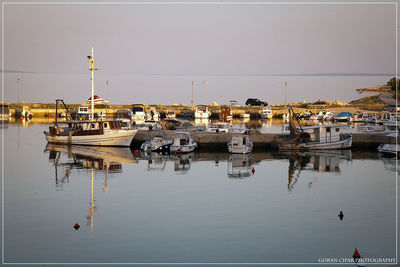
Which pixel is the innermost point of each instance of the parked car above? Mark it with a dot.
(317, 105)
(255, 102)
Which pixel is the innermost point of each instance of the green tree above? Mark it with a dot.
(392, 84)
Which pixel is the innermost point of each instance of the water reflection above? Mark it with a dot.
(105, 159)
(239, 165)
(182, 162)
(315, 162)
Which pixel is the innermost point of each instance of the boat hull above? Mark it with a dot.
(389, 149)
(121, 138)
(245, 149)
(183, 148)
(340, 144)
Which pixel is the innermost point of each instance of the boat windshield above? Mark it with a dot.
(137, 109)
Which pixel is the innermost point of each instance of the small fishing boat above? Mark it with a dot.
(5, 112)
(158, 144)
(149, 126)
(138, 112)
(89, 132)
(342, 117)
(226, 113)
(391, 148)
(202, 112)
(220, 127)
(170, 114)
(95, 133)
(183, 143)
(266, 113)
(318, 137)
(240, 144)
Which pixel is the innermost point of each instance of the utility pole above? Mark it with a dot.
(192, 91)
(19, 87)
(285, 91)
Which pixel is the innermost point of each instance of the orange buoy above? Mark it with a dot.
(76, 226)
(356, 255)
(253, 170)
(136, 152)
(358, 152)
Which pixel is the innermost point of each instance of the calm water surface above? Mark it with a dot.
(200, 207)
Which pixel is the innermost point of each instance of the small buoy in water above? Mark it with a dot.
(76, 226)
(136, 152)
(341, 215)
(253, 170)
(356, 255)
(358, 152)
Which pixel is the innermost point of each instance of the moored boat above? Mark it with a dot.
(266, 113)
(240, 144)
(202, 112)
(183, 143)
(157, 144)
(318, 137)
(94, 133)
(89, 132)
(220, 127)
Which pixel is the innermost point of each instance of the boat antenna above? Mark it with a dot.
(92, 70)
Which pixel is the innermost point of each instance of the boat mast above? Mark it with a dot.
(92, 69)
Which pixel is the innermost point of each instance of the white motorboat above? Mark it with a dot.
(153, 114)
(240, 144)
(157, 144)
(183, 143)
(390, 148)
(220, 127)
(149, 126)
(202, 112)
(266, 113)
(138, 112)
(170, 114)
(91, 132)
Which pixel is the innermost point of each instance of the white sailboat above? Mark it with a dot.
(90, 132)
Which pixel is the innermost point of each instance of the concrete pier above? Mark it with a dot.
(218, 141)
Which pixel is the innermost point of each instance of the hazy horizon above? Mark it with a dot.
(152, 53)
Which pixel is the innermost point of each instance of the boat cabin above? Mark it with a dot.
(182, 139)
(78, 128)
(138, 112)
(322, 133)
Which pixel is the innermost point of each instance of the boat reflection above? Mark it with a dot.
(182, 162)
(239, 165)
(155, 161)
(316, 161)
(390, 163)
(105, 159)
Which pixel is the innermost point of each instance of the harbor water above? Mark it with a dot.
(202, 207)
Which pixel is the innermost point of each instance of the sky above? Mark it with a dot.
(151, 53)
